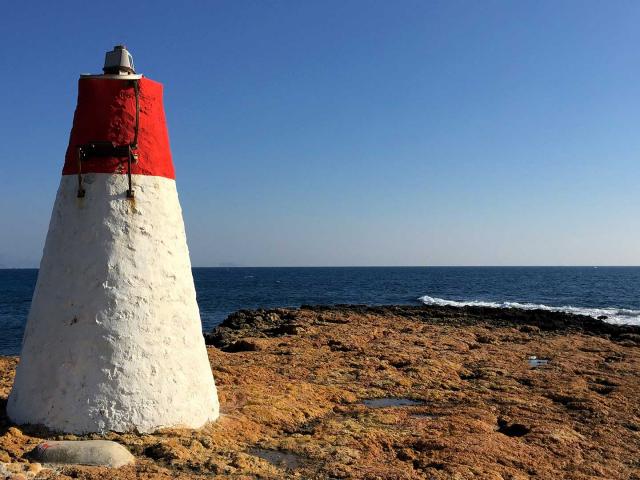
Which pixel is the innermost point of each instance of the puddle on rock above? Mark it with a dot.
(287, 460)
(537, 362)
(391, 402)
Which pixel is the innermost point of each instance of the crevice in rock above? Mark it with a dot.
(512, 429)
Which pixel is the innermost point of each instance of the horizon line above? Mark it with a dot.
(382, 266)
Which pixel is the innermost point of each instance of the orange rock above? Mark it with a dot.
(479, 409)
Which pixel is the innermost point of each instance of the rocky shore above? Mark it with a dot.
(396, 392)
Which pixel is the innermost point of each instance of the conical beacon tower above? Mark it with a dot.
(113, 339)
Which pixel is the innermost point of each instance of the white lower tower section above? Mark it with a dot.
(113, 339)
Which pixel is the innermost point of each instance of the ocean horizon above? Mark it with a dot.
(609, 293)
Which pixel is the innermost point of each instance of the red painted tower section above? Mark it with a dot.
(106, 111)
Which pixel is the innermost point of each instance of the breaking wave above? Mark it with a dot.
(614, 315)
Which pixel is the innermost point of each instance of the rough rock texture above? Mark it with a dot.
(113, 339)
(294, 387)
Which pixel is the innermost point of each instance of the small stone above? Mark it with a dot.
(15, 432)
(85, 452)
(4, 457)
(34, 468)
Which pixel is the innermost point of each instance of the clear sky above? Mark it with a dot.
(352, 132)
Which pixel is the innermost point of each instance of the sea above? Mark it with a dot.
(612, 292)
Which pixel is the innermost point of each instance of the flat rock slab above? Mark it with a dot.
(83, 452)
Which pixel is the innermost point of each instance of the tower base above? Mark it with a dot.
(113, 339)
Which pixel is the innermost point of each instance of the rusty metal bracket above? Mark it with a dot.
(130, 193)
(81, 191)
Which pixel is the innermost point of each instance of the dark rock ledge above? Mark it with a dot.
(268, 323)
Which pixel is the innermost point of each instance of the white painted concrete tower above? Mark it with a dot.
(113, 338)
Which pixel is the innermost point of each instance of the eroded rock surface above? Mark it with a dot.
(293, 384)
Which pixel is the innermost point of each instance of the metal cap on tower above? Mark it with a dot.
(118, 61)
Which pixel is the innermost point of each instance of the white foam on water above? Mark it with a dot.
(614, 315)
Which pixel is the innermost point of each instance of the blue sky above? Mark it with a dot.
(352, 132)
